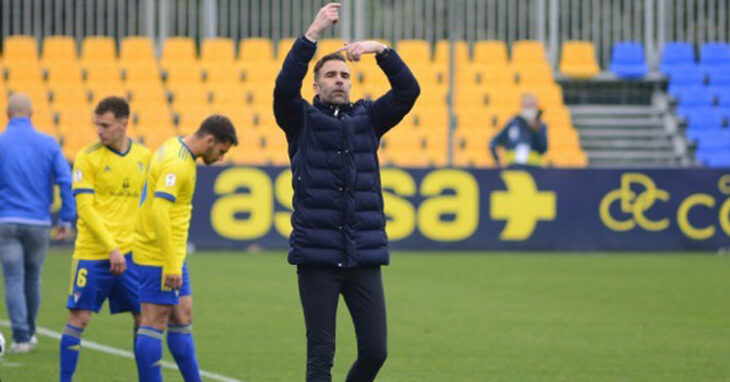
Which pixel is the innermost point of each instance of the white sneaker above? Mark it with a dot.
(20, 348)
(33, 342)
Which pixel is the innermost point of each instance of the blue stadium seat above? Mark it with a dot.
(724, 98)
(720, 76)
(684, 76)
(703, 118)
(676, 54)
(714, 158)
(627, 60)
(693, 98)
(714, 55)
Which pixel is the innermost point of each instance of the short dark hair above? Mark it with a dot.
(332, 56)
(220, 127)
(117, 105)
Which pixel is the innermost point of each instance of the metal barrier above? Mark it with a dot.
(551, 21)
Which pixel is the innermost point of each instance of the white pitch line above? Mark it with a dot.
(121, 353)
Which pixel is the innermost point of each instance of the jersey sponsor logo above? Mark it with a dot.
(170, 179)
(78, 175)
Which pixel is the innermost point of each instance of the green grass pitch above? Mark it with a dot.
(452, 317)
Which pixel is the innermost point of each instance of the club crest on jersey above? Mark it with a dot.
(141, 166)
(78, 175)
(77, 296)
(170, 179)
(107, 168)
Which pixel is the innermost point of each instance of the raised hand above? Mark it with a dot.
(327, 15)
(354, 50)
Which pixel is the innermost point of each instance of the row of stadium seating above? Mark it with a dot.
(173, 94)
(702, 92)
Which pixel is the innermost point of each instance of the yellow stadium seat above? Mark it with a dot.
(20, 48)
(414, 51)
(153, 119)
(182, 73)
(578, 59)
(326, 46)
(490, 53)
(152, 95)
(217, 49)
(461, 51)
(530, 75)
(64, 72)
(191, 118)
(261, 96)
(98, 48)
(136, 49)
(98, 91)
(528, 53)
(69, 94)
(153, 136)
(227, 95)
(43, 122)
(59, 48)
(253, 73)
(223, 73)
(141, 72)
(21, 73)
(178, 49)
(282, 48)
(190, 96)
(428, 73)
(100, 72)
(256, 50)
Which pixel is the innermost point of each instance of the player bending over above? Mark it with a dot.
(160, 246)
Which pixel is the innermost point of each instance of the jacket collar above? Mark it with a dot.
(20, 122)
(332, 110)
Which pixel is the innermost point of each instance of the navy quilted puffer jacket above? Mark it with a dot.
(338, 217)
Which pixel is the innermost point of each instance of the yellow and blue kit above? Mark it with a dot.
(162, 227)
(108, 186)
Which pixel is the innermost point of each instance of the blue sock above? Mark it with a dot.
(181, 345)
(70, 349)
(148, 352)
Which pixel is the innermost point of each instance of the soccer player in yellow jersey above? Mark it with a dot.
(107, 181)
(161, 242)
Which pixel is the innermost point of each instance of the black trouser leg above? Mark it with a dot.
(319, 291)
(364, 296)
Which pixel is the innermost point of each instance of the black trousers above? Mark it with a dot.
(362, 288)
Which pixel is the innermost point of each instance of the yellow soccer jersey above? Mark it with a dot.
(171, 176)
(107, 216)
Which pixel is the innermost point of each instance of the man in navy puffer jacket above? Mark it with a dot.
(338, 240)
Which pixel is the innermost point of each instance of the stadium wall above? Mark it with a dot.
(468, 209)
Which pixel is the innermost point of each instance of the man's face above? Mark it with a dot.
(214, 150)
(110, 129)
(529, 102)
(333, 84)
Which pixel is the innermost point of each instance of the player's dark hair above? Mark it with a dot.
(117, 105)
(220, 127)
(332, 56)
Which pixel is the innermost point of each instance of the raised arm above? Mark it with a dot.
(288, 102)
(389, 109)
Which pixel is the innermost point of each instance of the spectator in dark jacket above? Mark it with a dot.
(524, 138)
(338, 240)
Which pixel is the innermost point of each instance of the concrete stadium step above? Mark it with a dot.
(626, 145)
(633, 159)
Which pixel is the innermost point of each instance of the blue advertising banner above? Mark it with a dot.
(468, 209)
